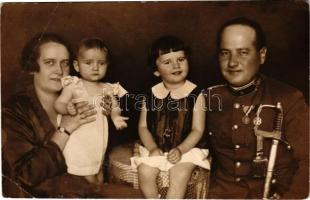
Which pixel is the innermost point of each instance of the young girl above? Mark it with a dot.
(171, 122)
(84, 152)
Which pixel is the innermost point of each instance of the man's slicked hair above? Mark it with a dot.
(260, 37)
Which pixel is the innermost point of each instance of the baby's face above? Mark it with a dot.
(172, 68)
(92, 64)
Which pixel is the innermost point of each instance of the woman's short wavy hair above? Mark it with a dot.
(31, 51)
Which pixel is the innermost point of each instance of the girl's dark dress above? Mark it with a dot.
(169, 119)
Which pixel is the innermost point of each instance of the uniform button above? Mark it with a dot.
(273, 181)
(235, 127)
(238, 164)
(210, 133)
(238, 179)
(237, 146)
(236, 105)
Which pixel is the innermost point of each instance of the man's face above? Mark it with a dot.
(238, 57)
(54, 64)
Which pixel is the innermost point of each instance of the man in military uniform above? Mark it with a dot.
(235, 115)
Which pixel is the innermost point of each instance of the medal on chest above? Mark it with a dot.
(247, 109)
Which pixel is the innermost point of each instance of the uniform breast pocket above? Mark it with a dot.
(218, 138)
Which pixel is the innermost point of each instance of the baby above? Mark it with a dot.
(85, 149)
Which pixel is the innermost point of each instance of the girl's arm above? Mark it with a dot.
(62, 104)
(145, 135)
(198, 126)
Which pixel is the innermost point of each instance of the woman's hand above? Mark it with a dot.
(156, 152)
(85, 114)
(71, 108)
(174, 155)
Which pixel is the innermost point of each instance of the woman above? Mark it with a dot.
(33, 135)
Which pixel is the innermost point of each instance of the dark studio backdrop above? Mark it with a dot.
(130, 27)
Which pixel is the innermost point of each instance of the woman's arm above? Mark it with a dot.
(198, 126)
(85, 114)
(32, 151)
(30, 158)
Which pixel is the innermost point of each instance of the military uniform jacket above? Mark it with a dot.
(32, 164)
(233, 144)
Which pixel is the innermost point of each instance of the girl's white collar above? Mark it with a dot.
(161, 92)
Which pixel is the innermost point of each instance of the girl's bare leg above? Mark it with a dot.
(179, 175)
(147, 181)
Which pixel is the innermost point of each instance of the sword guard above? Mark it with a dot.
(268, 134)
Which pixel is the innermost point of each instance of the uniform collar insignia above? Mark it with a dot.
(246, 89)
(161, 92)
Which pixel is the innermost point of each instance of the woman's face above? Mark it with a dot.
(172, 68)
(53, 65)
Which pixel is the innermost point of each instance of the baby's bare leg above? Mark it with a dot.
(92, 178)
(179, 175)
(100, 177)
(147, 181)
(96, 178)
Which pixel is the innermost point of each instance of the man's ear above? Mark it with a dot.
(76, 65)
(156, 73)
(262, 55)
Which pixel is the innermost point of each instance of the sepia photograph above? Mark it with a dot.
(155, 99)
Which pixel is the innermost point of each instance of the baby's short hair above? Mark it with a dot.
(93, 43)
(164, 45)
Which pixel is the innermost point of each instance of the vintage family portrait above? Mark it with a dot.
(168, 99)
